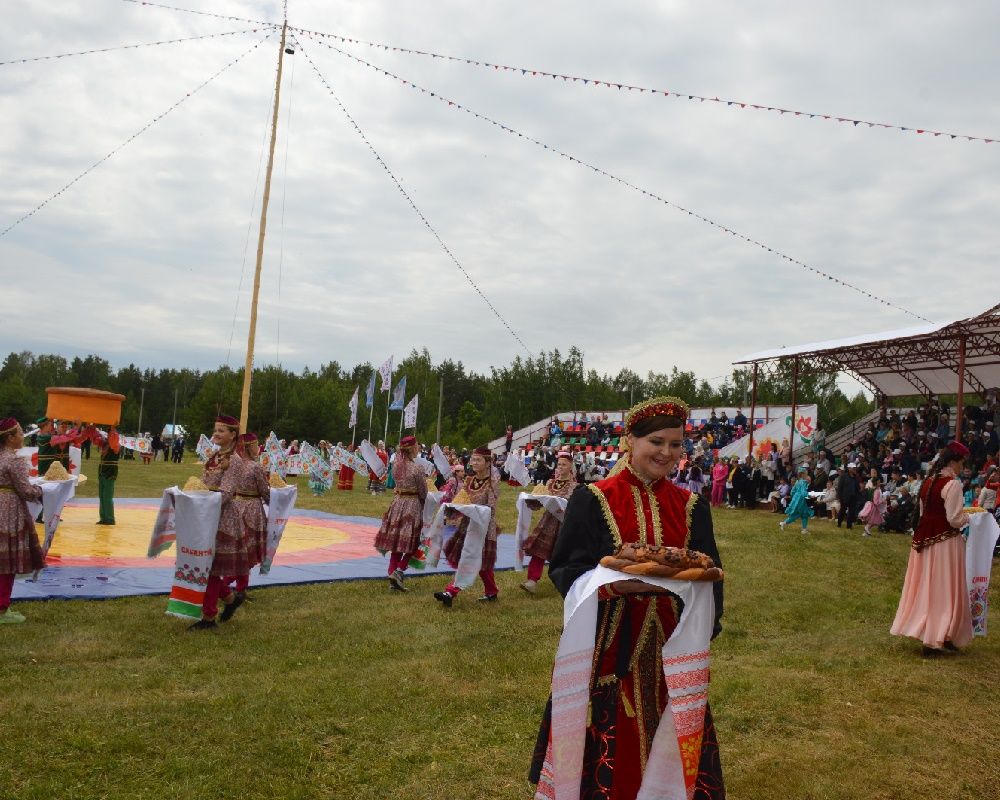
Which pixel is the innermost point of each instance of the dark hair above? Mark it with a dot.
(6, 436)
(660, 422)
(946, 457)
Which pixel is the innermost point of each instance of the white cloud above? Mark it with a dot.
(159, 232)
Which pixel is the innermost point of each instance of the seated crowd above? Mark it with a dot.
(885, 465)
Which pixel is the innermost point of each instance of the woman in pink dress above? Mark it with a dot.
(934, 606)
(399, 534)
(19, 548)
(720, 473)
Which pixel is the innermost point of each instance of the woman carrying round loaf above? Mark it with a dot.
(244, 489)
(399, 535)
(542, 540)
(637, 504)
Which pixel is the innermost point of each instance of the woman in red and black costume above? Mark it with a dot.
(934, 606)
(628, 693)
(402, 523)
(483, 488)
(242, 523)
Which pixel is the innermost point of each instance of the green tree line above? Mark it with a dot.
(475, 407)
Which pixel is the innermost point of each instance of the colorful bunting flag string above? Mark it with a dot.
(719, 226)
(599, 82)
(203, 13)
(132, 138)
(409, 200)
(126, 47)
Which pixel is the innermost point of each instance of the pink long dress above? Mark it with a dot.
(720, 472)
(934, 606)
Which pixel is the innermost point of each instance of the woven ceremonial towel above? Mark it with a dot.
(191, 519)
(278, 512)
(55, 495)
(556, 506)
(983, 533)
(672, 767)
(441, 461)
(471, 559)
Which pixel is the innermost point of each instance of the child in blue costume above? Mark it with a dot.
(798, 508)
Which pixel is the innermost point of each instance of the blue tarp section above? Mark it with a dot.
(101, 583)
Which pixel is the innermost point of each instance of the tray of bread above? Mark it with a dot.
(974, 510)
(275, 481)
(678, 563)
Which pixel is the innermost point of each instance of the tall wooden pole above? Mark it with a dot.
(440, 405)
(252, 335)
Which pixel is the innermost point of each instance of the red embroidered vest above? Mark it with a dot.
(657, 514)
(933, 526)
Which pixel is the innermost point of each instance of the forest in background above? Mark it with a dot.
(313, 404)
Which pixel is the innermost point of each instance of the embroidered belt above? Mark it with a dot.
(405, 494)
(7, 489)
(246, 494)
(939, 537)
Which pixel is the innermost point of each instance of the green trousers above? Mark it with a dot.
(106, 495)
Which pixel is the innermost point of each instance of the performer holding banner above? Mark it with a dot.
(934, 606)
(483, 489)
(403, 522)
(345, 477)
(20, 550)
(542, 541)
(242, 525)
(628, 716)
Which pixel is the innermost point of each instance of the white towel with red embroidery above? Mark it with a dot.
(672, 768)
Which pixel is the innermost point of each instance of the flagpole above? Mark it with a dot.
(252, 334)
(401, 415)
(354, 432)
(388, 402)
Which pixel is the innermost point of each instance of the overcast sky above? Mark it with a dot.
(141, 260)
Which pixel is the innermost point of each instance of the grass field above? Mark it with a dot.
(346, 691)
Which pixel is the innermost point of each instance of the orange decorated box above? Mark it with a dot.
(84, 405)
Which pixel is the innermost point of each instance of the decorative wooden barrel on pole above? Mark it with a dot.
(84, 405)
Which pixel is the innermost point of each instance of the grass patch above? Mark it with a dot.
(343, 690)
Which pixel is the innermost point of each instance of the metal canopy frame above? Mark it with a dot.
(940, 358)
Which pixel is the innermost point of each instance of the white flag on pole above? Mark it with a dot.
(410, 413)
(385, 373)
(353, 406)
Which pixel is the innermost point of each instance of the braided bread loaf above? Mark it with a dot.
(663, 562)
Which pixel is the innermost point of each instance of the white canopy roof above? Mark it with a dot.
(920, 360)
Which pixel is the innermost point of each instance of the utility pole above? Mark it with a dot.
(173, 426)
(142, 402)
